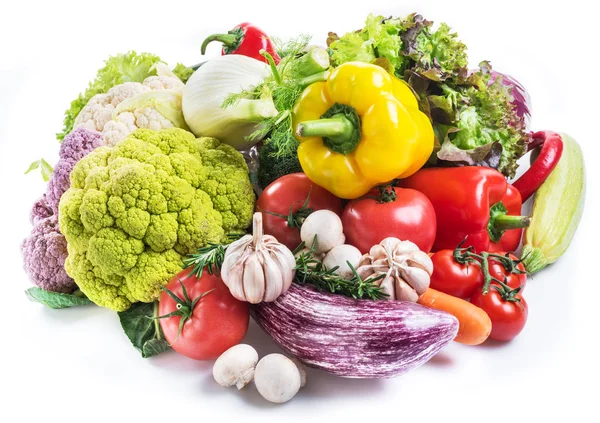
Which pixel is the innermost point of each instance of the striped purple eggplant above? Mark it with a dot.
(354, 338)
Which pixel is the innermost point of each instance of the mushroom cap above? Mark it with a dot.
(277, 378)
(235, 366)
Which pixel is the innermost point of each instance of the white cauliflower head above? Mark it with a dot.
(153, 104)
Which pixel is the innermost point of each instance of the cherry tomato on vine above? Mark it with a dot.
(213, 320)
(514, 280)
(454, 278)
(282, 203)
(508, 316)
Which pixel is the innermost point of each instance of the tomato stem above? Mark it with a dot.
(157, 329)
(184, 306)
(467, 256)
(295, 219)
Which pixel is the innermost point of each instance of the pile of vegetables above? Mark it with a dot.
(355, 199)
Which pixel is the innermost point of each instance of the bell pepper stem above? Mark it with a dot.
(228, 40)
(335, 127)
(500, 221)
(511, 222)
(339, 127)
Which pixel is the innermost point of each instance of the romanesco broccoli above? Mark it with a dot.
(134, 210)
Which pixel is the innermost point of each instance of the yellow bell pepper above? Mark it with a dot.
(360, 128)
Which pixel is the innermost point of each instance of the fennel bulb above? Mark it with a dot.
(211, 84)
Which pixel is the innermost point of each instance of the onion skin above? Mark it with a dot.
(355, 338)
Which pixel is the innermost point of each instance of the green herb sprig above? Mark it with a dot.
(210, 257)
(312, 271)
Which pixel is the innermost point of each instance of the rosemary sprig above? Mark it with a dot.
(210, 257)
(311, 271)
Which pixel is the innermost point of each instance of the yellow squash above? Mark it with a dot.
(360, 128)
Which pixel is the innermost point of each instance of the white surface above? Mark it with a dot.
(76, 365)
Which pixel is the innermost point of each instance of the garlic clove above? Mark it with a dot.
(405, 292)
(286, 262)
(273, 278)
(365, 271)
(421, 260)
(390, 243)
(233, 280)
(404, 247)
(387, 286)
(253, 279)
(377, 252)
(417, 278)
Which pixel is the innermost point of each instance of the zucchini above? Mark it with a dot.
(557, 210)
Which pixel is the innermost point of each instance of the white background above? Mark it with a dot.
(76, 365)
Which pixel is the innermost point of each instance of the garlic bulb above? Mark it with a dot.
(407, 269)
(257, 267)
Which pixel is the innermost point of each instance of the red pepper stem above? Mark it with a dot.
(228, 40)
(506, 221)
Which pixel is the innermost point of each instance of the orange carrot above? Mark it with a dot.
(474, 323)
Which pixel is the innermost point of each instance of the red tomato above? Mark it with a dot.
(514, 280)
(410, 216)
(508, 317)
(291, 191)
(217, 322)
(454, 278)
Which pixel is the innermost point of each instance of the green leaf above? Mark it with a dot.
(55, 300)
(46, 170)
(44, 166)
(183, 72)
(139, 325)
(154, 347)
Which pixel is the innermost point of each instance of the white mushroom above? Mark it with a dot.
(340, 256)
(277, 378)
(236, 366)
(326, 226)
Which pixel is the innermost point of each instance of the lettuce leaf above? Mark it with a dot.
(380, 38)
(183, 72)
(127, 67)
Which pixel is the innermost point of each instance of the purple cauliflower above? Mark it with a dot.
(44, 254)
(40, 210)
(73, 148)
(45, 249)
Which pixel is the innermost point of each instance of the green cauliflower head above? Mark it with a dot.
(136, 209)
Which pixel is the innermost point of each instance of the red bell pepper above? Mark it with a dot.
(474, 203)
(245, 39)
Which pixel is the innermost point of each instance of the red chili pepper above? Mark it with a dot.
(472, 202)
(534, 177)
(245, 39)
